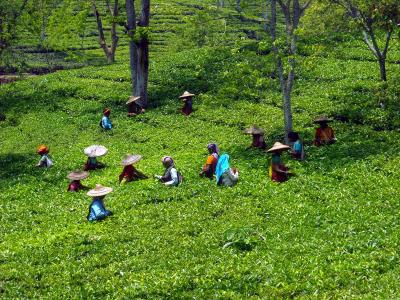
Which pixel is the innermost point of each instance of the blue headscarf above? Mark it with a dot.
(222, 166)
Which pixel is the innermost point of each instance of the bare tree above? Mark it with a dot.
(113, 11)
(292, 11)
(374, 17)
(139, 48)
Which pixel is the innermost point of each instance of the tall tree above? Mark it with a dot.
(373, 18)
(292, 11)
(10, 13)
(238, 6)
(67, 24)
(139, 48)
(113, 10)
(36, 18)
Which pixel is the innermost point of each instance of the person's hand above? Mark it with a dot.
(158, 176)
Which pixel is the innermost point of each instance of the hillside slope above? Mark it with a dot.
(330, 232)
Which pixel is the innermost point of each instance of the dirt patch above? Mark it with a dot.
(4, 79)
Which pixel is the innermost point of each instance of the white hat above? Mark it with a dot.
(95, 151)
(78, 175)
(133, 99)
(278, 147)
(130, 159)
(186, 94)
(99, 190)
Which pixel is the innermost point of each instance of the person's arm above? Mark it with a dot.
(276, 168)
(121, 176)
(333, 134)
(233, 174)
(139, 174)
(42, 161)
(317, 135)
(174, 176)
(206, 170)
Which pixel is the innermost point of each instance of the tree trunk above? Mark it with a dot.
(238, 7)
(131, 27)
(143, 56)
(102, 40)
(382, 68)
(142, 71)
(114, 37)
(265, 15)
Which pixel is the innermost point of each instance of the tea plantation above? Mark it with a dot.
(332, 231)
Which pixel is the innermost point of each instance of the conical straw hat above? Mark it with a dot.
(322, 119)
(254, 130)
(95, 151)
(133, 99)
(131, 159)
(78, 175)
(99, 190)
(186, 94)
(278, 147)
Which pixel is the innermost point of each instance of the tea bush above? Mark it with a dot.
(329, 232)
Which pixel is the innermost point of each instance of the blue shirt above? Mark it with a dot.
(106, 123)
(298, 147)
(97, 211)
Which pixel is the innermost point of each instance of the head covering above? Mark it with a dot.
(254, 130)
(95, 151)
(222, 166)
(278, 147)
(99, 190)
(132, 99)
(78, 175)
(167, 160)
(43, 149)
(186, 94)
(130, 159)
(213, 147)
(322, 119)
(106, 111)
(294, 136)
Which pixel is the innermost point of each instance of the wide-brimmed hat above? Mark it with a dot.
(278, 147)
(130, 159)
(186, 94)
(78, 175)
(42, 149)
(99, 190)
(254, 130)
(132, 99)
(95, 151)
(322, 119)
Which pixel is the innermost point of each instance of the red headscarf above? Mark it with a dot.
(42, 149)
(106, 111)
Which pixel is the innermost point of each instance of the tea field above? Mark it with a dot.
(332, 231)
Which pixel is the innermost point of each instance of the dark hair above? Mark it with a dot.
(294, 136)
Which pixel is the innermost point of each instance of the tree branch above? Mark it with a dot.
(305, 6)
(387, 42)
